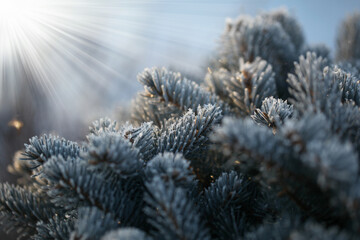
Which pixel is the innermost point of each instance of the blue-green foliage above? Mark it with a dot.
(320, 50)
(267, 148)
(72, 184)
(246, 88)
(348, 83)
(104, 125)
(302, 150)
(144, 138)
(56, 227)
(188, 135)
(232, 205)
(315, 87)
(275, 37)
(171, 166)
(290, 228)
(273, 112)
(348, 39)
(92, 223)
(168, 94)
(172, 213)
(21, 209)
(112, 151)
(126, 234)
(40, 149)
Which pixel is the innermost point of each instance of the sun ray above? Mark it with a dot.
(39, 36)
(81, 49)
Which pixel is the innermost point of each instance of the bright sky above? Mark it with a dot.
(183, 32)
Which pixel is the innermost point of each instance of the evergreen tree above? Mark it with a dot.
(267, 147)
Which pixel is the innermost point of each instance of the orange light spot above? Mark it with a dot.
(16, 124)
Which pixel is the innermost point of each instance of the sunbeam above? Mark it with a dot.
(72, 51)
(44, 43)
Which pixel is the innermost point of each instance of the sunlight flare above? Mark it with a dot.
(51, 45)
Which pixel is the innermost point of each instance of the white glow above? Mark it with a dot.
(21, 13)
(77, 51)
(51, 45)
(16, 8)
(8, 9)
(17, 18)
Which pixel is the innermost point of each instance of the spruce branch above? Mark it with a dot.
(299, 155)
(251, 85)
(215, 81)
(111, 151)
(233, 205)
(21, 209)
(321, 50)
(58, 227)
(288, 228)
(72, 184)
(188, 135)
(348, 39)
(349, 84)
(104, 125)
(143, 138)
(281, 229)
(307, 87)
(314, 88)
(172, 213)
(174, 167)
(246, 88)
(273, 112)
(153, 110)
(126, 234)
(170, 95)
(172, 88)
(92, 224)
(289, 24)
(41, 149)
(249, 38)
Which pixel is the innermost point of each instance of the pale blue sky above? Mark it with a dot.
(200, 23)
(184, 33)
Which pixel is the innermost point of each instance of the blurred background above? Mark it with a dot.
(66, 63)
